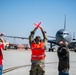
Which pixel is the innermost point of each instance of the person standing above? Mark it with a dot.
(2, 45)
(38, 47)
(63, 55)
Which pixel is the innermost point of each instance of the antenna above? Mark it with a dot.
(65, 23)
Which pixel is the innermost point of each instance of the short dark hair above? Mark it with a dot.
(37, 37)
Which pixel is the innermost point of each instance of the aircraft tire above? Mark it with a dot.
(51, 50)
(75, 50)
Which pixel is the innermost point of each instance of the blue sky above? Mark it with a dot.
(17, 17)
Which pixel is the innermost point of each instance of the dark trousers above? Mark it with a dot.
(63, 74)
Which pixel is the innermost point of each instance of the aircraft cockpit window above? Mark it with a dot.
(61, 33)
(66, 33)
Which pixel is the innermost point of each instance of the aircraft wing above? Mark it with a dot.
(51, 37)
(15, 37)
(52, 41)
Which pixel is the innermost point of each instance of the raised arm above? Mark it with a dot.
(44, 34)
(31, 37)
(3, 43)
(1, 40)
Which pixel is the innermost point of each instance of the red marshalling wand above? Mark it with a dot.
(37, 25)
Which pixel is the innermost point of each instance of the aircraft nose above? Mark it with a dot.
(64, 36)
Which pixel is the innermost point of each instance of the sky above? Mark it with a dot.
(17, 17)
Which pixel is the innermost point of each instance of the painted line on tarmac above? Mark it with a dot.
(17, 67)
(13, 68)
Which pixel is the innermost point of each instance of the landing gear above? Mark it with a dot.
(51, 49)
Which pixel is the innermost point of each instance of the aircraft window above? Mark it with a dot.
(66, 33)
(61, 33)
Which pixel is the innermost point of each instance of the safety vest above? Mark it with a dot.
(38, 51)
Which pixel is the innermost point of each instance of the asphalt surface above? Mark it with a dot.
(17, 62)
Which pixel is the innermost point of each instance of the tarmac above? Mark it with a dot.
(17, 62)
